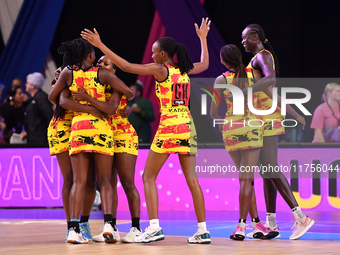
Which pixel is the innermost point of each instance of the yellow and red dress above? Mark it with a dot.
(176, 132)
(124, 135)
(240, 132)
(272, 122)
(58, 133)
(89, 133)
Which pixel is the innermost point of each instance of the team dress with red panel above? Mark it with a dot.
(89, 133)
(240, 132)
(272, 122)
(58, 133)
(176, 131)
(124, 135)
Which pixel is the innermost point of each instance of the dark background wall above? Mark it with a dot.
(123, 27)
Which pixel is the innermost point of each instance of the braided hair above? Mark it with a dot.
(74, 52)
(231, 55)
(256, 29)
(170, 46)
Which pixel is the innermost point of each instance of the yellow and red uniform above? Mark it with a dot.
(89, 133)
(124, 135)
(176, 132)
(237, 133)
(58, 133)
(264, 102)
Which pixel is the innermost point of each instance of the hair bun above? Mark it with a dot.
(65, 48)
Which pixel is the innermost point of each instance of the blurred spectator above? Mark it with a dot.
(2, 123)
(12, 112)
(18, 82)
(38, 112)
(141, 113)
(326, 117)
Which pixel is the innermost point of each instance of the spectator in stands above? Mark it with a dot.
(326, 117)
(18, 82)
(38, 112)
(12, 112)
(141, 113)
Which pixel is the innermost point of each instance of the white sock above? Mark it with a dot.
(271, 219)
(154, 223)
(202, 227)
(298, 214)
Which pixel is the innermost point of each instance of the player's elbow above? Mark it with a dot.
(62, 102)
(130, 94)
(271, 80)
(213, 114)
(206, 66)
(125, 68)
(51, 99)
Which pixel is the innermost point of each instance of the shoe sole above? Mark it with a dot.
(237, 237)
(304, 232)
(204, 241)
(109, 237)
(98, 241)
(158, 238)
(251, 235)
(75, 242)
(270, 235)
(122, 240)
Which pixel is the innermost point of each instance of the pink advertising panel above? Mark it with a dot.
(31, 178)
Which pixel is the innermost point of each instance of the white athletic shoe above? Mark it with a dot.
(203, 238)
(300, 228)
(131, 236)
(99, 238)
(150, 235)
(110, 235)
(76, 238)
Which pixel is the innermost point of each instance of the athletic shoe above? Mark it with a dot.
(76, 238)
(262, 232)
(68, 231)
(131, 236)
(239, 233)
(273, 228)
(85, 229)
(110, 235)
(99, 238)
(300, 228)
(251, 234)
(203, 238)
(150, 235)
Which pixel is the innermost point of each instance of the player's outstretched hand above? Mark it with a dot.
(91, 37)
(202, 31)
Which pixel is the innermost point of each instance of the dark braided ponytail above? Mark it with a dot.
(74, 52)
(170, 46)
(231, 55)
(256, 29)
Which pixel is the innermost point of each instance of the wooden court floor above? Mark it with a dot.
(48, 237)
